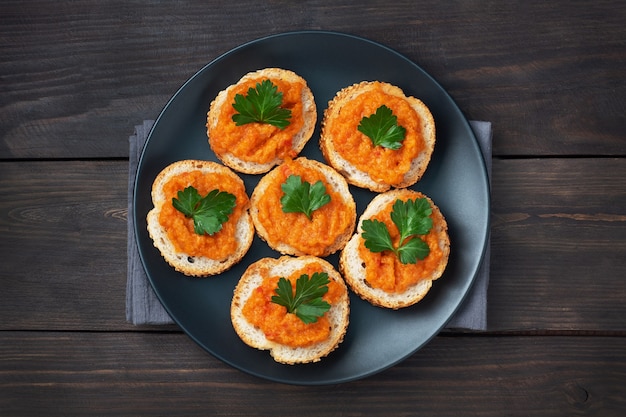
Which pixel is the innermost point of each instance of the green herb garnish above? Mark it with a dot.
(261, 104)
(209, 212)
(412, 219)
(306, 302)
(383, 129)
(302, 197)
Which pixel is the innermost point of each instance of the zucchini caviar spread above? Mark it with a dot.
(180, 229)
(385, 271)
(285, 328)
(382, 164)
(260, 142)
(310, 236)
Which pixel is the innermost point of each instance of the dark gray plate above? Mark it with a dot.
(456, 180)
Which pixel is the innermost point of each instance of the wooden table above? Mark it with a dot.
(76, 76)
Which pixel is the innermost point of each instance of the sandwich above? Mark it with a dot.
(303, 207)
(200, 222)
(401, 246)
(377, 137)
(267, 116)
(297, 308)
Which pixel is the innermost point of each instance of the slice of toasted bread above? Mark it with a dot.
(220, 112)
(354, 268)
(293, 233)
(338, 315)
(186, 263)
(360, 172)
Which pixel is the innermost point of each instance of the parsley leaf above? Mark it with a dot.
(412, 219)
(209, 212)
(306, 302)
(261, 104)
(383, 129)
(302, 197)
(376, 236)
(412, 250)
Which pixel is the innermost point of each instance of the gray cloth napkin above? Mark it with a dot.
(472, 314)
(143, 306)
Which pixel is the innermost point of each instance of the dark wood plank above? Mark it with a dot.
(76, 77)
(167, 374)
(63, 245)
(557, 256)
(558, 244)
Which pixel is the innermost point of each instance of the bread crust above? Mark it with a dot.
(299, 140)
(197, 266)
(353, 174)
(352, 266)
(284, 266)
(333, 179)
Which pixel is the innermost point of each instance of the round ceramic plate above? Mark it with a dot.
(456, 180)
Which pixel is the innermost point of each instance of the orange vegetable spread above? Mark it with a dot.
(259, 142)
(180, 229)
(385, 271)
(286, 328)
(382, 164)
(295, 229)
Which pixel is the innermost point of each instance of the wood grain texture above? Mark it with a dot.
(63, 244)
(558, 246)
(76, 76)
(166, 374)
(557, 256)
